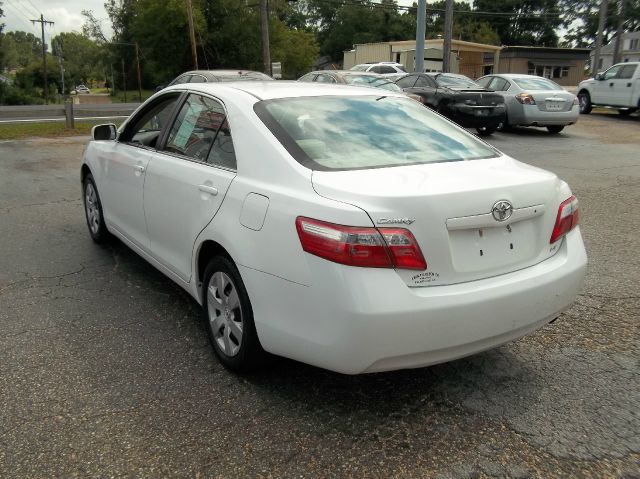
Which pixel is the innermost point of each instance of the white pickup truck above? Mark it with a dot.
(618, 88)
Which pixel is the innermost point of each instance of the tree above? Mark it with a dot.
(20, 49)
(80, 56)
(530, 22)
(582, 18)
(296, 49)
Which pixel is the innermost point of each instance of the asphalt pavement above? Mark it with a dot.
(106, 370)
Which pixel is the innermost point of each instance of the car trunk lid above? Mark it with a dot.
(553, 100)
(448, 208)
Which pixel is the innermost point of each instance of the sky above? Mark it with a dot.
(66, 14)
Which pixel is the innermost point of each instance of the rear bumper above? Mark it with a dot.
(471, 116)
(530, 115)
(355, 320)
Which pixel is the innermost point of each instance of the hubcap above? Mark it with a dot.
(225, 313)
(91, 208)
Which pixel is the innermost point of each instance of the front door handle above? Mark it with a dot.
(611, 84)
(140, 168)
(212, 190)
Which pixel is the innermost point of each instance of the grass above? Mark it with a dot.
(16, 131)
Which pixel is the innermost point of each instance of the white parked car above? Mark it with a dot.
(348, 228)
(381, 68)
(81, 89)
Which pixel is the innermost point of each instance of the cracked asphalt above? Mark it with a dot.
(106, 371)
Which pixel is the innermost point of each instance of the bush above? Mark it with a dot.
(11, 95)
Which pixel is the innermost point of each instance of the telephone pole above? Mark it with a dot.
(448, 33)
(192, 35)
(42, 21)
(264, 31)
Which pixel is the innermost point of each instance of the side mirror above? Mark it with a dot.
(599, 77)
(104, 132)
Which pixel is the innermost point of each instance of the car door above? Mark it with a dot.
(187, 180)
(124, 170)
(623, 86)
(603, 90)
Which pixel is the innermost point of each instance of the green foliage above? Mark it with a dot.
(582, 18)
(12, 95)
(19, 49)
(80, 57)
(533, 22)
(297, 50)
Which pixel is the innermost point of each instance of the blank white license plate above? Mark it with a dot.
(482, 112)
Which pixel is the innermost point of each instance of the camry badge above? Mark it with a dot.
(502, 210)
(395, 221)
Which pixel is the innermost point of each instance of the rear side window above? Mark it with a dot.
(627, 72)
(201, 132)
(347, 133)
(423, 82)
(308, 77)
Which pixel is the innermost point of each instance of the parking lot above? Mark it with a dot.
(106, 369)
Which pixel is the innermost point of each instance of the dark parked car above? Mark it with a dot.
(351, 77)
(458, 98)
(205, 76)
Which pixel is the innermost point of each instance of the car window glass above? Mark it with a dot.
(612, 72)
(307, 77)
(499, 84)
(422, 82)
(198, 79)
(484, 82)
(322, 78)
(376, 69)
(406, 82)
(222, 152)
(195, 128)
(536, 83)
(181, 79)
(626, 72)
(145, 128)
(386, 69)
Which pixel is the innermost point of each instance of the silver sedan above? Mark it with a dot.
(533, 101)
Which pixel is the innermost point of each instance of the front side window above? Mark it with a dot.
(346, 133)
(145, 128)
(484, 82)
(323, 78)
(627, 72)
(201, 132)
(307, 78)
(612, 72)
(180, 80)
(499, 84)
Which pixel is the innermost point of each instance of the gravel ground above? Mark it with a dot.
(105, 368)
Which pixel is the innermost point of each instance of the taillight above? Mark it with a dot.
(356, 246)
(567, 219)
(525, 98)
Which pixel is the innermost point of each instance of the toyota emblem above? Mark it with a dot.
(502, 210)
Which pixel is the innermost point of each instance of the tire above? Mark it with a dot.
(503, 125)
(93, 211)
(485, 130)
(555, 129)
(229, 317)
(584, 100)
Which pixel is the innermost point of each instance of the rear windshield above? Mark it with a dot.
(536, 84)
(460, 82)
(348, 133)
(377, 82)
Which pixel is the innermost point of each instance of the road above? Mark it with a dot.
(105, 368)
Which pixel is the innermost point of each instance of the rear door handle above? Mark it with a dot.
(611, 84)
(140, 168)
(212, 190)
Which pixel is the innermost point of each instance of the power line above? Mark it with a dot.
(26, 19)
(42, 23)
(33, 10)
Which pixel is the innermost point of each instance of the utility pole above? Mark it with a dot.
(264, 32)
(448, 33)
(61, 67)
(42, 21)
(619, 31)
(601, 22)
(138, 69)
(420, 34)
(124, 81)
(192, 34)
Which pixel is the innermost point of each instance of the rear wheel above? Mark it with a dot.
(584, 102)
(229, 316)
(555, 129)
(93, 210)
(503, 125)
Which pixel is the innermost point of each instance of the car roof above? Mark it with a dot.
(269, 90)
(352, 73)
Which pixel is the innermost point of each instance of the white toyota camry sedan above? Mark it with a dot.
(348, 228)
